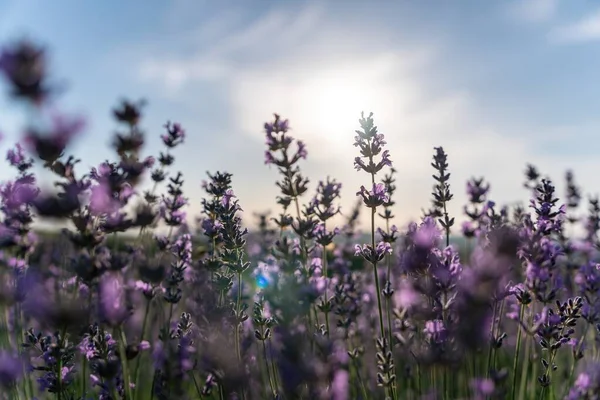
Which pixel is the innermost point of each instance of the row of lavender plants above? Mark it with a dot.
(303, 309)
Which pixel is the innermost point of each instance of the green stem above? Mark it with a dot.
(447, 228)
(388, 302)
(137, 363)
(536, 367)
(498, 325)
(360, 381)
(517, 351)
(531, 350)
(238, 326)
(198, 390)
(326, 284)
(168, 321)
(549, 372)
(419, 382)
(152, 386)
(124, 362)
(83, 377)
(266, 357)
(577, 350)
(376, 276)
(541, 396)
(275, 373)
(525, 370)
(389, 321)
(63, 334)
(115, 393)
(491, 347)
(18, 339)
(304, 260)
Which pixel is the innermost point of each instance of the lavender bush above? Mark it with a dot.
(301, 309)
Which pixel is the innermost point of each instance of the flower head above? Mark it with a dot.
(374, 198)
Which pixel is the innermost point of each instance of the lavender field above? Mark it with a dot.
(111, 289)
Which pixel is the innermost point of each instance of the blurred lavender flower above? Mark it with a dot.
(587, 384)
(113, 307)
(174, 136)
(50, 146)
(11, 369)
(24, 66)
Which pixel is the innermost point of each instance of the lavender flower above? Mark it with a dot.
(11, 369)
(374, 198)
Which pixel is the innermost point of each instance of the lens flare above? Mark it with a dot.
(262, 282)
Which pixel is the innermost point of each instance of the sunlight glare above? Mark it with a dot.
(334, 101)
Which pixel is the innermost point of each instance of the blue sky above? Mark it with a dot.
(497, 83)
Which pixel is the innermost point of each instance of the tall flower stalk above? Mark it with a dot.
(322, 206)
(389, 236)
(373, 159)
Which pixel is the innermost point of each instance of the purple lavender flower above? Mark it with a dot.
(50, 146)
(405, 295)
(102, 200)
(435, 331)
(428, 234)
(11, 368)
(482, 388)
(374, 198)
(17, 158)
(587, 383)
(322, 204)
(370, 143)
(477, 190)
(24, 66)
(373, 255)
(277, 126)
(113, 308)
(448, 271)
(174, 136)
(340, 385)
(128, 112)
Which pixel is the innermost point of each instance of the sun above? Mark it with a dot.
(333, 102)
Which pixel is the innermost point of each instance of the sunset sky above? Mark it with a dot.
(498, 84)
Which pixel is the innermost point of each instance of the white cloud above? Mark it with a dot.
(534, 10)
(586, 29)
(220, 55)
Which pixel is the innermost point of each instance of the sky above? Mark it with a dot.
(498, 84)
